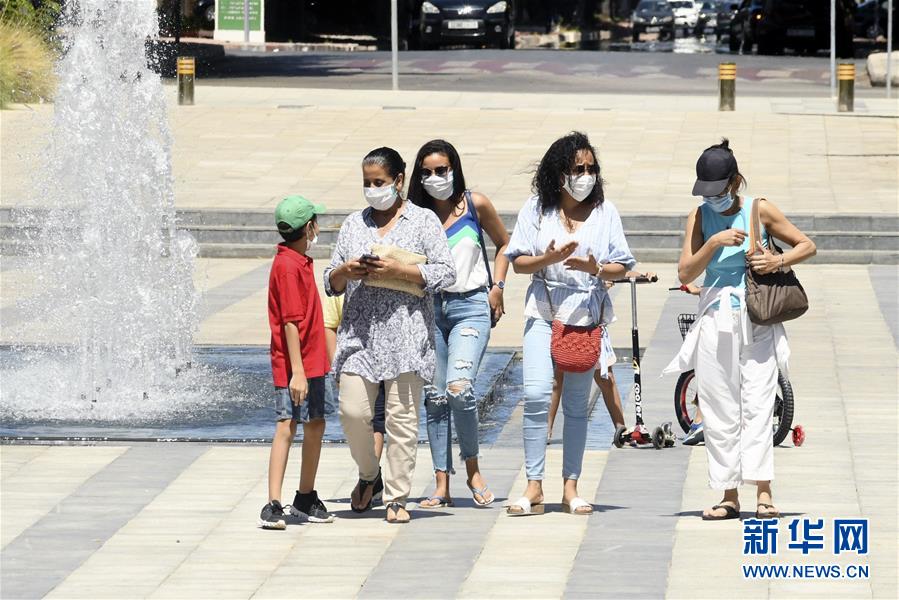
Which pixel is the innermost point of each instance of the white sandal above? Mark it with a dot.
(525, 508)
(573, 506)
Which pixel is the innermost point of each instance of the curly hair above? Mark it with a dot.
(417, 193)
(556, 164)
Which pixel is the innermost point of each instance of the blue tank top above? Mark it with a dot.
(728, 265)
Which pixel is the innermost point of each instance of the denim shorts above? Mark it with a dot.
(312, 408)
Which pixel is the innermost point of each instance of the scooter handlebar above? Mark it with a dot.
(640, 279)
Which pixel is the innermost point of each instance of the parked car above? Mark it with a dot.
(205, 11)
(726, 12)
(708, 14)
(870, 19)
(802, 25)
(653, 16)
(481, 22)
(743, 25)
(686, 13)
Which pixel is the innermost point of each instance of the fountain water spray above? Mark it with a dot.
(118, 308)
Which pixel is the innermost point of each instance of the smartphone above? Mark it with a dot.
(369, 257)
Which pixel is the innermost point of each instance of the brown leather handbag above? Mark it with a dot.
(774, 297)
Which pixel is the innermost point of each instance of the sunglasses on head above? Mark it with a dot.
(585, 168)
(439, 171)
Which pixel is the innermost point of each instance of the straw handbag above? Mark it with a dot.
(401, 256)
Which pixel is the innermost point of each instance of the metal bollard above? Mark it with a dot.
(727, 86)
(186, 75)
(846, 96)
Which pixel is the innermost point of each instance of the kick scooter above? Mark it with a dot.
(663, 436)
(686, 400)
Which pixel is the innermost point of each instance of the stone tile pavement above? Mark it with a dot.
(247, 147)
(123, 521)
(177, 520)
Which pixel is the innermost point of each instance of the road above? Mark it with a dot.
(547, 71)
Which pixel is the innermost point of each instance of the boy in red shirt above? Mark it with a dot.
(299, 362)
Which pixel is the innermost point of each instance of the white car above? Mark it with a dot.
(686, 12)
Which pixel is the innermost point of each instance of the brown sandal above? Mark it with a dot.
(774, 514)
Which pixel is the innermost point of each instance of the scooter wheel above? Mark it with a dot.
(670, 438)
(618, 440)
(798, 435)
(658, 438)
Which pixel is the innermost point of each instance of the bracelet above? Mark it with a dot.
(781, 262)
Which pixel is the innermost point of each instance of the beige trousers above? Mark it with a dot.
(401, 405)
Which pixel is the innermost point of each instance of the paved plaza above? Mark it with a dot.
(161, 520)
(177, 520)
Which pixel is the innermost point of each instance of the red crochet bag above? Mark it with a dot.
(574, 348)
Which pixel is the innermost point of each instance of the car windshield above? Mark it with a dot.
(655, 5)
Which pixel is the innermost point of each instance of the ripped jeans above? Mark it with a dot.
(462, 332)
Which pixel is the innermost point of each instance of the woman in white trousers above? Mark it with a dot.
(736, 361)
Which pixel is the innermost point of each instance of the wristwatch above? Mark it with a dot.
(599, 269)
(500, 284)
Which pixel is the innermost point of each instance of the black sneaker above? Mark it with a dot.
(272, 516)
(312, 507)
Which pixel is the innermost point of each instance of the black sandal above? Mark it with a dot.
(362, 486)
(378, 491)
(770, 515)
(729, 513)
(396, 507)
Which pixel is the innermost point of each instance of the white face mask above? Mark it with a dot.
(380, 198)
(580, 187)
(439, 187)
(311, 241)
(719, 203)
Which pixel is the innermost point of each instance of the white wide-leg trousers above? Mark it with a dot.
(737, 385)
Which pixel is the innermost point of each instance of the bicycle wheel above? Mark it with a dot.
(783, 409)
(686, 399)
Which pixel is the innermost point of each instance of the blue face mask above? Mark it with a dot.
(719, 203)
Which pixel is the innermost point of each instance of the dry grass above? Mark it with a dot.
(26, 65)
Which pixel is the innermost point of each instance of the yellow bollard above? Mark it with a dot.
(186, 75)
(727, 86)
(846, 96)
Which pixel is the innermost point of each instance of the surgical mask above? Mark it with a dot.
(580, 187)
(380, 198)
(439, 187)
(719, 203)
(311, 241)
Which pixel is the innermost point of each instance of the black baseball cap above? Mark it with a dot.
(714, 170)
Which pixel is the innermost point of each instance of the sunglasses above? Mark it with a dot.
(439, 171)
(585, 168)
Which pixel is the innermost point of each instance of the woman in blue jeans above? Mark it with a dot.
(569, 239)
(462, 313)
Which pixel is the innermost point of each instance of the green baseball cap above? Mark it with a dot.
(296, 211)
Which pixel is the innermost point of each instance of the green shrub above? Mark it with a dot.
(26, 65)
(39, 15)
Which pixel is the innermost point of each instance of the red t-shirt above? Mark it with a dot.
(293, 297)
